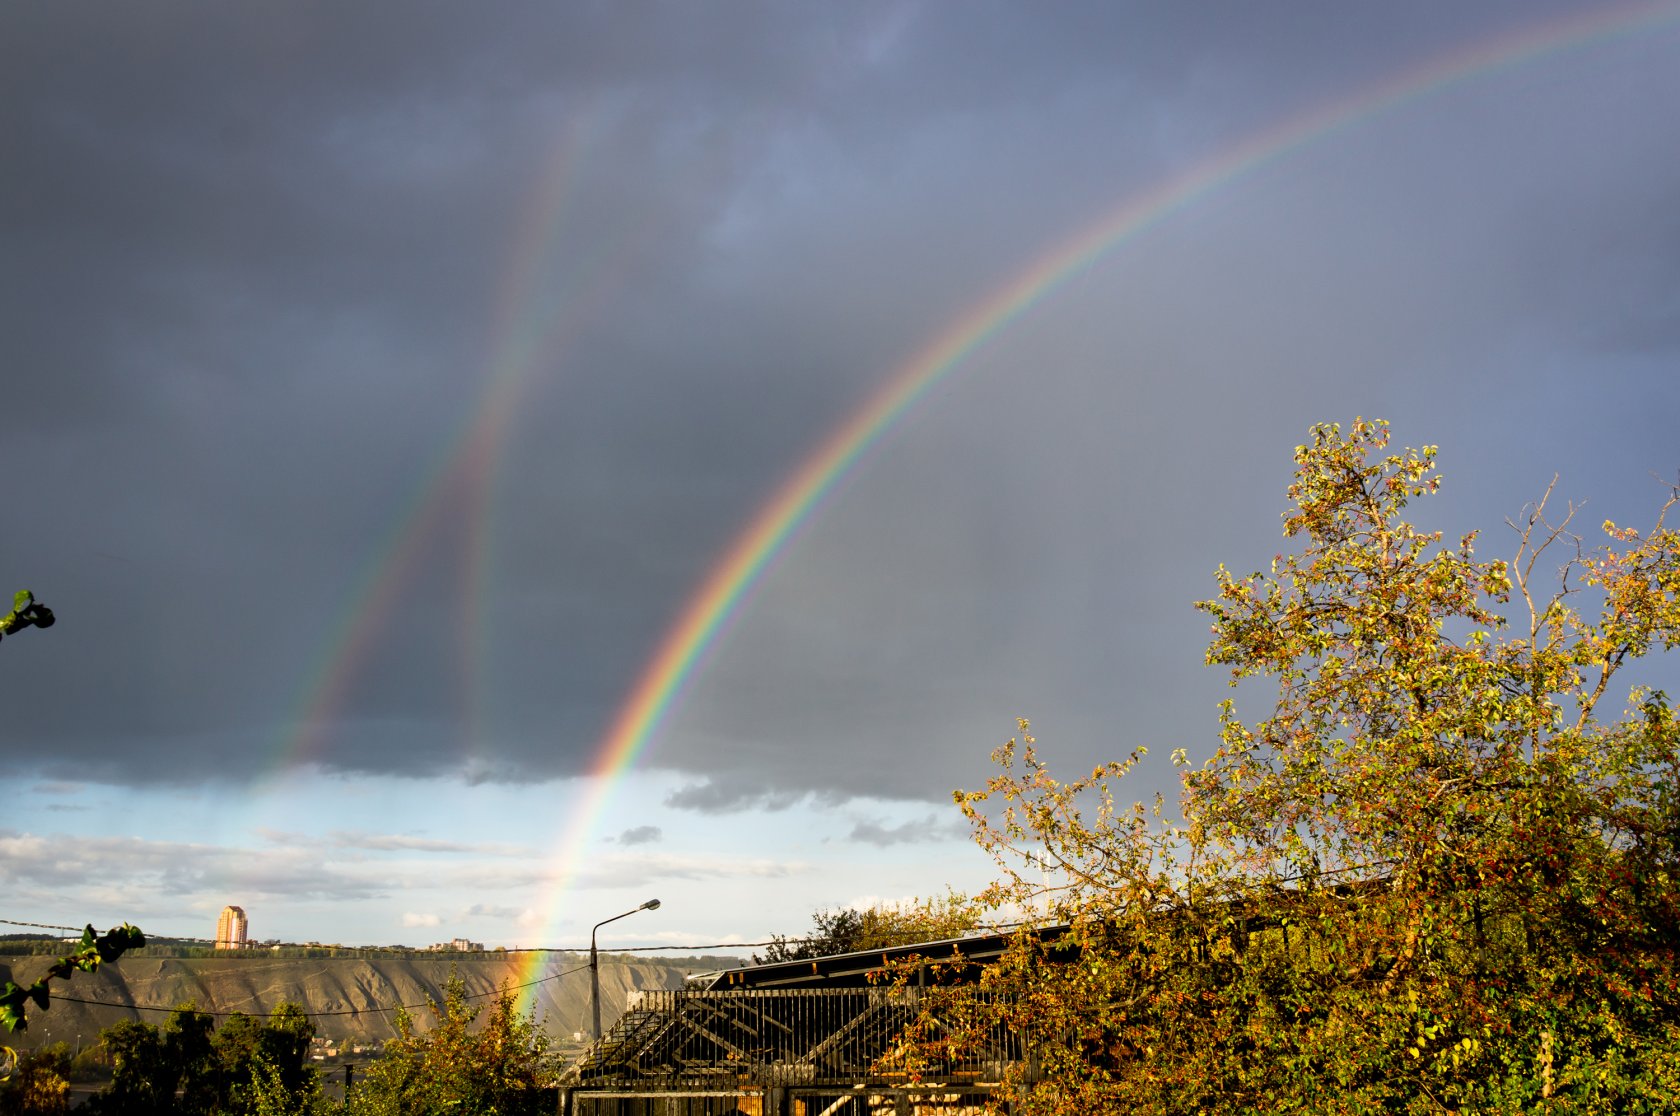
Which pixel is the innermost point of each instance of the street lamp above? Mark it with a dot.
(595, 966)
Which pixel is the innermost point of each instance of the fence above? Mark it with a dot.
(787, 1052)
(784, 1102)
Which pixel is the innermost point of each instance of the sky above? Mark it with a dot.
(390, 388)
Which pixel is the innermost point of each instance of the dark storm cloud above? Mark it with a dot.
(253, 294)
(1455, 267)
(264, 264)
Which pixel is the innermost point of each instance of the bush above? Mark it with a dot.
(1438, 875)
(249, 1067)
(502, 1067)
(39, 1084)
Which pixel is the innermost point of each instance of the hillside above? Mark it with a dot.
(350, 998)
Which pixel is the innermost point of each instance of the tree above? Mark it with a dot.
(39, 1085)
(263, 1067)
(250, 1067)
(1439, 874)
(501, 1067)
(851, 930)
(143, 1077)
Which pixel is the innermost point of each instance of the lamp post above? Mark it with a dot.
(595, 966)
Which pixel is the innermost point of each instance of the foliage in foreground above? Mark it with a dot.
(849, 930)
(95, 951)
(39, 1084)
(247, 1067)
(501, 1067)
(1440, 875)
(27, 612)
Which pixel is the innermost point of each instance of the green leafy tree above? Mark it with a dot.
(258, 1063)
(143, 1077)
(1442, 873)
(501, 1066)
(272, 1093)
(850, 930)
(187, 1052)
(250, 1067)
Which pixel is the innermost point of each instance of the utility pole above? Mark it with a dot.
(595, 964)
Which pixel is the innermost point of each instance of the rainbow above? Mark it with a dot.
(711, 609)
(461, 477)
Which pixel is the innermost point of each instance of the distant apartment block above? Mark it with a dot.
(232, 929)
(459, 945)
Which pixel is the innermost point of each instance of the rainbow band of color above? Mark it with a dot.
(709, 611)
(665, 676)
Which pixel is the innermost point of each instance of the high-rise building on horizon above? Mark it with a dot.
(231, 929)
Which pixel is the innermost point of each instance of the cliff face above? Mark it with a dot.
(349, 999)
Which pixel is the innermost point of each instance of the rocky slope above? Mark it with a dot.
(349, 999)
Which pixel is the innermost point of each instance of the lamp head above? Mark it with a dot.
(650, 905)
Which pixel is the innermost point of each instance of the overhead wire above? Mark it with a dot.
(412, 953)
(404, 952)
(407, 951)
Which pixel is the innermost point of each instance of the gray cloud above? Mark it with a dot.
(639, 869)
(266, 267)
(390, 842)
(715, 796)
(920, 831)
(139, 872)
(485, 910)
(641, 835)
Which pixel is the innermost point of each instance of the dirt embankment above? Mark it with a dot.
(349, 999)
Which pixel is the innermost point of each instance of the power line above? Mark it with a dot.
(39, 925)
(403, 951)
(400, 951)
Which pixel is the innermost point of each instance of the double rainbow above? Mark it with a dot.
(467, 463)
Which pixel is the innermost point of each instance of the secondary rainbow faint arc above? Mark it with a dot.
(709, 609)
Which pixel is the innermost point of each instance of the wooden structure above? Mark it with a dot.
(818, 1037)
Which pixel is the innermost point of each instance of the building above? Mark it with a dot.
(458, 945)
(820, 1036)
(232, 931)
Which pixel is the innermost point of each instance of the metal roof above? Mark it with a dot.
(865, 967)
